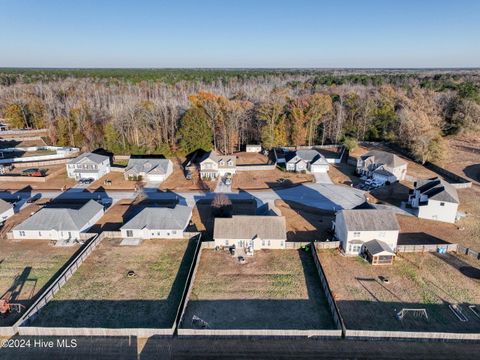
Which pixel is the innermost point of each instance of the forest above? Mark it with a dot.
(176, 111)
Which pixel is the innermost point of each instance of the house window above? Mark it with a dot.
(263, 242)
(281, 243)
(158, 233)
(268, 243)
(356, 248)
(226, 242)
(356, 234)
(381, 234)
(153, 234)
(442, 204)
(174, 232)
(22, 233)
(129, 233)
(39, 233)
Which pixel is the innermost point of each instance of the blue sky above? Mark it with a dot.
(230, 33)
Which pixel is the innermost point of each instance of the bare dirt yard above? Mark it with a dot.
(26, 266)
(268, 179)
(118, 182)
(274, 289)
(203, 219)
(56, 182)
(244, 158)
(305, 223)
(114, 217)
(177, 181)
(428, 281)
(464, 156)
(101, 294)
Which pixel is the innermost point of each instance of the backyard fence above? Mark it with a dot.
(259, 167)
(337, 317)
(57, 284)
(30, 179)
(467, 251)
(409, 335)
(24, 132)
(427, 248)
(327, 245)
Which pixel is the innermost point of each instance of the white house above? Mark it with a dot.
(148, 169)
(434, 199)
(158, 223)
(6, 210)
(59, 223)
(254, 148)
(303, 160)
(214, 165)
(355, 228)
(88, 165)
(382, 166)
(250, 232)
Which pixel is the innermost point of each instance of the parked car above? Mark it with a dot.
(88, 181)
(34, 172)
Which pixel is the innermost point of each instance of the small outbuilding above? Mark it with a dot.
(378, 252)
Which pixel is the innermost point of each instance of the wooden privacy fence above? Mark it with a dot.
(410, 335)
(337, 317)
(82, 331)
(427, 248)
(59, 282)
(467, 251)
(259, 167)
(328, 245)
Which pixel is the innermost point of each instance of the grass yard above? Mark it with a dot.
(429, 281)
(464, 156)
(274, 289)
(304, 223)
(177, 181)
(25, 268)
(100, 294)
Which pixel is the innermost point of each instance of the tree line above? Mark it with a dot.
(275, 108)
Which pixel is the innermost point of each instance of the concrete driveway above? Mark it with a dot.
(322, 178)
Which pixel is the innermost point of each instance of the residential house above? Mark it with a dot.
(148, 169)
(158, 223)
(303, 160)
(213, 165)
(250, 232)
(6, 210)
(254, 148)
(357, 228)
(51, 223)
(434, 199)
(88, 166)
(382, 166)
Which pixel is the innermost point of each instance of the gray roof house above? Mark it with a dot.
(254, 232)
(59, 223)
(149, 169)
(355, 228)
(382, 166)
(6, 210)
(434, 199)
(88, 166)
(213, 165)
(158, 223)
(302, 160)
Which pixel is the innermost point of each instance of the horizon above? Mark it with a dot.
(242, 35)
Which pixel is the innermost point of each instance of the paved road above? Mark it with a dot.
(204, 348)
(322, 178)
(323, 196)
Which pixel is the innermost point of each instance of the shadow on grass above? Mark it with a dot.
(120, 313)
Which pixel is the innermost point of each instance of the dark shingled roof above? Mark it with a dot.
(383, 157)
(375, 247)
(370, 220)
(438, 189)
